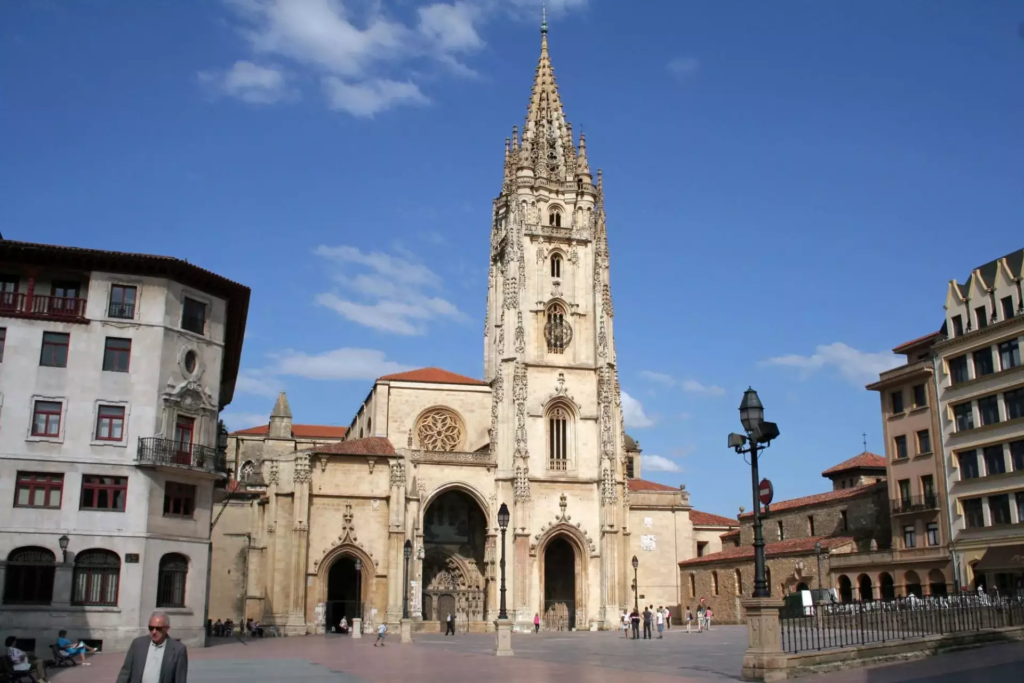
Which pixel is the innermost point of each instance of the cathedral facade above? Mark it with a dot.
(398, 514)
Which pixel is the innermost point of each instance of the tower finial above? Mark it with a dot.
(544, 18)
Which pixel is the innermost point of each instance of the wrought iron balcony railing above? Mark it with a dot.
(125, 311)
(906, 506)
(51, 307)
(168, 452)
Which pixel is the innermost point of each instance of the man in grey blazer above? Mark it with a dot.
(155, 658)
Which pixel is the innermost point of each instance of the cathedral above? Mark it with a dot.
(397, 514)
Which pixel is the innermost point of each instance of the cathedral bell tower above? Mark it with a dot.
(549, 354)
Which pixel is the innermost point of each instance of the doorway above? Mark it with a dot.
(343, 593)
(559, 585)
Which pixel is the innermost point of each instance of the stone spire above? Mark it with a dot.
(547, 144)
(281, 419)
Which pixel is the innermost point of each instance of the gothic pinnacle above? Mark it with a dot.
(582, 167)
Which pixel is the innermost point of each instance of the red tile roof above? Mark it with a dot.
(735, 533)
(819, 498)
(791, 546)
(865, 460)
(431, 376)
(300, 431)
(644, 485)
(371, 445)
(914, 342)
(707, 519)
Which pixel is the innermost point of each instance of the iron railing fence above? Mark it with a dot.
(154, 451)
(849, 624)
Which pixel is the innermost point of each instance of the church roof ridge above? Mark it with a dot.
(431, 375)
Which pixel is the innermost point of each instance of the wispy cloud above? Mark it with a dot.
(858, 367)
(339, 364)
(683, 67)
(386, 292)
(248, 82)
(691, 386)
(633, 413)
(658, 377)
(658, 463)
(236, 421)
(257, 383)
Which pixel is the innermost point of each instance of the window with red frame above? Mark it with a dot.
(110, 423)
(116, 354)
(122, 302)
(104, 493)
(96, 578)
(184, 430)
(55, 350)
(46, 418)
(179, 499)
(38, 490)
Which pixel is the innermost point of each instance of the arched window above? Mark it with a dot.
(170, 584)
(556, 265)
(845, 589)
(96, 579)
(29, 576)
(714, 583)
(559, 419)
(768, 579)
(246, 471)
(739, 582)
(555, 218)
(557, 331)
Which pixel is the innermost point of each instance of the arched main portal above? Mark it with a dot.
(344, 591)
(559, 585)
(454, 573)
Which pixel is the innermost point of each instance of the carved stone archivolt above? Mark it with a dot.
(439, 429)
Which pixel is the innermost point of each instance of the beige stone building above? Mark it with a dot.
(318, 527)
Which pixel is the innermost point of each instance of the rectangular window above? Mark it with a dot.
(844, 522)
(8, 293)
(1007, 304)
(38, 490)
(974, 515)
(1009, 354)
(104, 493)
(46, 418)
(904, 491)
(782, 532)
(110, 423)
(179, 499)
(995, 462)
(924, 442)
(702, 547)
(1014, 401)
(1020, 506)
(1017, 456)
(117, 354)
(193, 316)
(3, 342)
(901, 446)
(999, 509)
(983, 362)
(958, 369)
(988, 409)
(963, 414)
(928, 490)
(55, 350)
(810, 526)
(968, 464)
(933, 534)
(122, 302)
(920, 396)
(958, 326)
(896, 399)
(909, 537)
(981, 317)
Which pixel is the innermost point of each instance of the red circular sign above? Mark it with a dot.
(766, 491)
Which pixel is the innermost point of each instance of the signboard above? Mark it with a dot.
(131, 558)
(766, 492)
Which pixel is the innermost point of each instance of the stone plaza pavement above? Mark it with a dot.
(548, 657)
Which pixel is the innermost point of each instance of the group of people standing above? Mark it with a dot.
(703, 617)
(650, 618)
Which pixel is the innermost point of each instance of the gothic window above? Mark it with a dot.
(557, 331)
(246, 471)
(556, 265)
(559, 419)
(439, 429)
(555, 218)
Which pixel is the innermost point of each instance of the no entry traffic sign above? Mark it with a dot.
(766, 491)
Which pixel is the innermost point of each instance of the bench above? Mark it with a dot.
(59, 658)
(9, 675)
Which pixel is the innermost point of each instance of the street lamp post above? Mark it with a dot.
(405, 599)
(359, 587)
(63, 541)
(758, 432)
(503, 517)
(636, 586)
(819, 551)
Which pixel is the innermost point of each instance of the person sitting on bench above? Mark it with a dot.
(73, 649)
(21, 662)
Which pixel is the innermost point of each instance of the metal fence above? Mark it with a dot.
(849, 624)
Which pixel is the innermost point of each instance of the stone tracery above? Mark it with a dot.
(439, 429)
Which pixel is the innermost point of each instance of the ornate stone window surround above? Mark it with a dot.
(558, 332)
(29, 436)
(123, 443)
(439, 428)
(556, 410)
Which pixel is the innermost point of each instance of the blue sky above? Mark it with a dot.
(790, 180)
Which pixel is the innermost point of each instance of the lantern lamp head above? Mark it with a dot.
(751, 410)
(503, 517)
(636, 562)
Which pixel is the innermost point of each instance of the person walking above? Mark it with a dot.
(536, 622)
(668, 618)
(625, 623)
(381, 632)
(659, 620)
(155, 658)
(707, 618)
(647, 623)
(688, 618)
(700, 618)
(73, 650)
(634, 620)
(450, 625)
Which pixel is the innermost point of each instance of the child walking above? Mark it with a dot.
(381, 630)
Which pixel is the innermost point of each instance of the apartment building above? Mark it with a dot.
(920, 558)
(980, 386)
(113, 369)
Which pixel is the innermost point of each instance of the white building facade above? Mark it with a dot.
(113, 370)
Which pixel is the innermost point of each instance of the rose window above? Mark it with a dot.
(439, 430)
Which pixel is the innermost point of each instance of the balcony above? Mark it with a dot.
(913, 504)
(124, 311)
(170, 453)
(19, 305)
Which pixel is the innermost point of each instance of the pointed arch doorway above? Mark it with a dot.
(344, 591)
(563, 587)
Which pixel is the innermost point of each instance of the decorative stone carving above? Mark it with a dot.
(397, 474)
(272, 476)
(439, 430)
(609, 496)
(464, 457)
(303, 471)
(648, 542)
(520, 343)
(271, 526)
(522, 484)
(371, 463)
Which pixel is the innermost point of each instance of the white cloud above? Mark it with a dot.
(657, 463)
(339, 364)
(859, 367)
(248, 82)
(396, 295)
(236, 421)
(633, 413)
(694, 387)
(257, 383)
(658, 377)
(681, 67)
(371, 96)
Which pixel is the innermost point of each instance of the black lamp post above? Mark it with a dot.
(503, 525)
(63, 541)
(405, 600)
(359, 587)
(758, 432)
(819, 551)
(636, 586)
